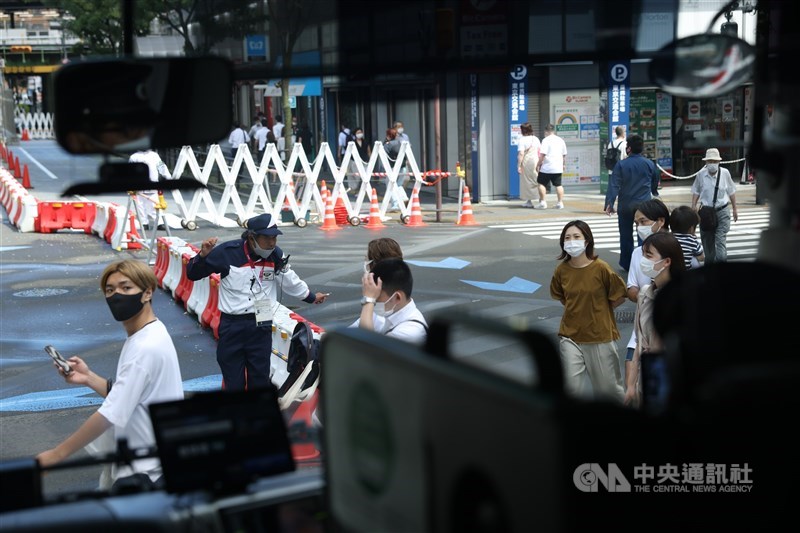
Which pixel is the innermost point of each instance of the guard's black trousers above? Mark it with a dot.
(242, 345)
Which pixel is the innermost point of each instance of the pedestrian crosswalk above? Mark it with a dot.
(742, 238)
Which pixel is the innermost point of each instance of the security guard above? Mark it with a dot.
(254, 273)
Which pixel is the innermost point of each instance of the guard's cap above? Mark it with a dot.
(262, 225)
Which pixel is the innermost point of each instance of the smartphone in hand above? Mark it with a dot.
(58, 358)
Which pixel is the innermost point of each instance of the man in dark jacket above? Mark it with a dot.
(633, 180)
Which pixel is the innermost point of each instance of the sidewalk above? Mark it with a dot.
(580, 201)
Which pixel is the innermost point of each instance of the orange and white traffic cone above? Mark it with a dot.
(330, 219)
(17, 169)
(375, 221)
(25, 135)
(26, 177)
(415, 220)
(289, 190)
(466, 218)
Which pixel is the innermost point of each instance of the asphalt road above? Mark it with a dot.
(49, 294)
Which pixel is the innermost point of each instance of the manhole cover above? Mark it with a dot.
(625, 317)
(40, 293)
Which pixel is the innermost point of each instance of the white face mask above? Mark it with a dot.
(400, 130)
(645, 231)
(380, 308)
(712, 168)
(575, 248)
(261, 252)
(649, 267)
(359, 135)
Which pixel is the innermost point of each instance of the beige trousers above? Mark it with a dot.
(591, 369)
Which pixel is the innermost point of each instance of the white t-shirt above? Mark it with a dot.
(261, 137)
(529, 142)
(636, 279)
(277, 130)
(147, 372)
(237, 137)
(554, 149)
(406, 324)
(154, 163)
(621, 144)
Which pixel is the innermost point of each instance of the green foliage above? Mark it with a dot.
(98, 23)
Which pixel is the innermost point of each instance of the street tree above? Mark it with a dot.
(98, 24)
(215, 20)
(288, 19)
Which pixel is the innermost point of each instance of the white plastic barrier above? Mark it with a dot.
(124, 235)
(28, 212)
(101, 219)
(39, 125)
(198, 298)
(175, 268)
(230, 206)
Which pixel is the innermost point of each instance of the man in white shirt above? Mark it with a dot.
(146, 200)
(386, 291)
(237, 137)
(344, 138)
(714, 187)
(553, 156)
(261, 140)
(619, 142)
(147, 372)
(277, 128)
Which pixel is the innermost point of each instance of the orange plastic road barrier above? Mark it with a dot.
(466, 218)
(304, 449)
(26, 177)
(162, 260)
(415, 220)
(330, 219)
(375, 221)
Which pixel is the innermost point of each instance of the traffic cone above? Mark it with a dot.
(415, 220)
(340, 211)
(25, 135)
(330, 219)
(290, 189)
(26, 178)
(375, 221)
(17, 169)
(466, 218)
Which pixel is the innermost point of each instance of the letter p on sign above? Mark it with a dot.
(619, 73)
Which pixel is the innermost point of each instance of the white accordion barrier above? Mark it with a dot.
(294, 190)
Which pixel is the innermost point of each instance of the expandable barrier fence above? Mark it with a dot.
(294, 194)
(34, 125)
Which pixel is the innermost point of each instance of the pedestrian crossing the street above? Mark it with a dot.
(742, 238)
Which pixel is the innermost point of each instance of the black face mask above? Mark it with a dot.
(125, 306)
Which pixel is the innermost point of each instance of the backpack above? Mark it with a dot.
(612, 155)
(303, 351)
